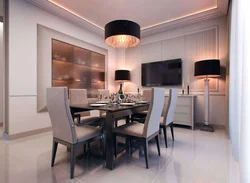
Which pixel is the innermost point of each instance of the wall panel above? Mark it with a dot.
(205, 40)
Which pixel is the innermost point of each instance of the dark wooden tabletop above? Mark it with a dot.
(108, 107)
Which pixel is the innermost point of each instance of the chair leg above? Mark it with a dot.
(72, 160)
(172, 130)
(104, 146)
(165, 135)
(132, 118)
(158, 144)
(115, 145)
(146, 151)
(130, 146)
(89, 146)
(101, 143)
(54, 149)
(84, 148)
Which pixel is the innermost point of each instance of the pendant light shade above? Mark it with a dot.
(122, 34)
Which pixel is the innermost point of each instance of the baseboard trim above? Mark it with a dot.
(25, 134)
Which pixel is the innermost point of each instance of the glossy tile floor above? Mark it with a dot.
(194, 157)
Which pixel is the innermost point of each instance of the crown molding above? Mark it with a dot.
(218, 11)
(60, 12)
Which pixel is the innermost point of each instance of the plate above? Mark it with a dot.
(97, 105)
(142, 102)
(128, 104)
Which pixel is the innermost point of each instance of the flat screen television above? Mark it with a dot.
(162, 73)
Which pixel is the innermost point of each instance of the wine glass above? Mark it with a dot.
(112, 98)
(100, 96)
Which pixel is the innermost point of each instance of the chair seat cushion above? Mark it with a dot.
(87, 132)
(103, 115)
(133, 129)
(144, 112)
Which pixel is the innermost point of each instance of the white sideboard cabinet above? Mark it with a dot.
(184, 113)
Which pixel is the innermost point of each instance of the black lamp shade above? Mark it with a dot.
(122, 34)
(122, 75)
(207, 68)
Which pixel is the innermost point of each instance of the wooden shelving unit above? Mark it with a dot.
(75, 67)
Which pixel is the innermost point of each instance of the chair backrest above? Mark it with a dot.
(153, 118)
(58, 107)
(147, 94)
(168, 113)
(78, 96)
(105, 93)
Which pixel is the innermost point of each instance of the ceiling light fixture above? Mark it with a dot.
(122, 34)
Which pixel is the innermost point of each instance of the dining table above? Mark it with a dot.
(113, 112)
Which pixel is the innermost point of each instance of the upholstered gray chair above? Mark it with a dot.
(79, 96)
(168, 114)
(64, 129)
(149, 130)
(140, 117)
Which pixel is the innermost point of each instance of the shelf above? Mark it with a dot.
(63, 80)
(73, 63)
(76, 67)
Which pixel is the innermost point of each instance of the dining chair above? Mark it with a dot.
(141, 116)
(65, 131)
(168, 114)
(79, 96)
(150, 129)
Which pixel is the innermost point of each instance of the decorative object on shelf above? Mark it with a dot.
(63, 58)
(122, 34)
(56, 56)
(182, 91)
(207, 69)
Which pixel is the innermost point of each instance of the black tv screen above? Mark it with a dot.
(162, 73)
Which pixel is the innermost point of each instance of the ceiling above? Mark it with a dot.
(152, 15)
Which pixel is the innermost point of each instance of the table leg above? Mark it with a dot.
(109, 126)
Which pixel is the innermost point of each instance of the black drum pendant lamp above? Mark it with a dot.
(122, 34)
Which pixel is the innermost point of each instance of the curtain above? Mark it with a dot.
(239, 86)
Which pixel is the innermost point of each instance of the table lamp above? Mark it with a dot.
(207, 69)
(122, 76)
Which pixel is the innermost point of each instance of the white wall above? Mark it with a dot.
(204, 40)
(24, 18)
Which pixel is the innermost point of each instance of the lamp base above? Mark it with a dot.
(207, 128)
